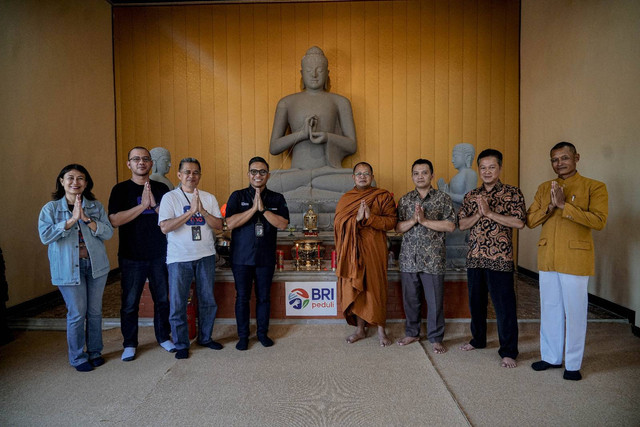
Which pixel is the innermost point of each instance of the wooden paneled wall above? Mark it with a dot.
(422, 76)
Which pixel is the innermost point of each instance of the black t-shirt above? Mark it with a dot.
(246, 248)
(140, 239)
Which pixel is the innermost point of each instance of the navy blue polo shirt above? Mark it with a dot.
(246, 248)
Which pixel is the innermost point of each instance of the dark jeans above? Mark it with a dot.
(181, 275)
(244, 276)
(500, 285)
(134, 275)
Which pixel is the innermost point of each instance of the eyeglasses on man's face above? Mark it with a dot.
(137, 159)
(359, 174)
(262, 172)
(188, 172)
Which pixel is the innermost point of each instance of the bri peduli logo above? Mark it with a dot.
(298, 298)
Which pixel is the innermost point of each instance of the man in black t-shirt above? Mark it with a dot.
(254, 215)
(133, 208)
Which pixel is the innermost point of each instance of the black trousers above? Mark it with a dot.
(499, 284)
(245, 276)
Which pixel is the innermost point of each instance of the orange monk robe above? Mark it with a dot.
(362, 254)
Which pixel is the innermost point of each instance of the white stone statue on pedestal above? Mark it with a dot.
(464, 181)
(161, 164)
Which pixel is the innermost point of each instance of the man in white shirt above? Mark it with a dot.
(188, 217)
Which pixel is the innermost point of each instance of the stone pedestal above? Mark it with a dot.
(457, 247)
(455, 289)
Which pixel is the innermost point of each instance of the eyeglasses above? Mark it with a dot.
(136, 159)
(359, 174)
(262, 172)
(188, 172)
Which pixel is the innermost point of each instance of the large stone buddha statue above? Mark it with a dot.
(316, 128)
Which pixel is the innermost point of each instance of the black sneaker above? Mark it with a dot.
(98, 361)
(541, 365)
(265, 341)
(243, 344)
(84, 367)
(213, 345)
(183, 353)
(572, 375)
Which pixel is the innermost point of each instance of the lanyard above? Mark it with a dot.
(185, 196)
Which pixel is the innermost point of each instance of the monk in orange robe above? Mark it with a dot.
(363, 216)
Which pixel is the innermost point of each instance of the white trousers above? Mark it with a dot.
(563, 302)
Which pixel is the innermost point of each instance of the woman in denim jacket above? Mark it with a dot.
(74, 225)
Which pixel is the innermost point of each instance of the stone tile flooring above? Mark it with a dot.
(526, 293)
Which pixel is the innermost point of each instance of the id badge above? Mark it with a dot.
(196, 235)
(259, 229)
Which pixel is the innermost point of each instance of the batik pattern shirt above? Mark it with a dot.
(423, 250)
(490, 243)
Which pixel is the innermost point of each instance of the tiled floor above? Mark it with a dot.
(526, 292)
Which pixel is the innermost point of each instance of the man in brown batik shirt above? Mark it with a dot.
(490, 212)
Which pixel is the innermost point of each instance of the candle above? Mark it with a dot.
(333, 260)
(297, 257)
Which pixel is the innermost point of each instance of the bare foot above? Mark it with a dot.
(408, 340)
(382, 336)
(357, 336)
(438, 348)
(508, 362)
(467, 347)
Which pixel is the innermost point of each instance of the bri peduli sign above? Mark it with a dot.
(311, 298)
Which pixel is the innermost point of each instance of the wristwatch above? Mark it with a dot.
(87, 221)
(263, 210)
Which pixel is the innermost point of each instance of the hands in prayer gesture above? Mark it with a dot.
(257, 202)
(78, 213)
(418, 214)
(557, 196)
(196, 205)
(147, 201)
(363, 211)
(483, 206)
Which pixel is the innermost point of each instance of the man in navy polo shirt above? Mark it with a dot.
(254, 214)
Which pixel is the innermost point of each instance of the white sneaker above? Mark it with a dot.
(128, 354)
(169, 346)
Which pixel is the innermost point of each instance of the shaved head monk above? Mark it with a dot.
(363, 217)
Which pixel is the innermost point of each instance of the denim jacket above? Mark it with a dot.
(64, 251)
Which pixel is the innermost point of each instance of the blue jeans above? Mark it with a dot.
(181, 274)
(244, 276)
(499, 284)
(134, 275)
(84, 303)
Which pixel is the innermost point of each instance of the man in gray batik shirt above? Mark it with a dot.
(424, 215)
